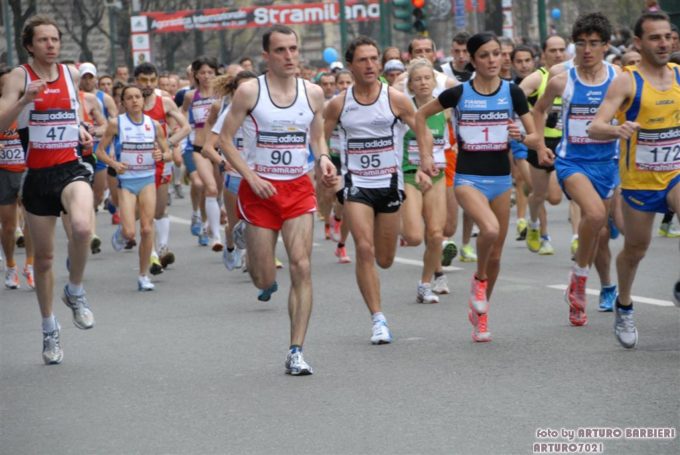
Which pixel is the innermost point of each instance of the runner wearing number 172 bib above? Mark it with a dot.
(281, 116)
(646, 101)
(372, 118)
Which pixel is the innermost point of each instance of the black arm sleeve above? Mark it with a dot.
(449, 98)
(519, 100)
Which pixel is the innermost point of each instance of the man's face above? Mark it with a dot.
(173, 84)
(328, 86)
(590, 49)
(365, 65)
(147, 83)
(88, 83)
(164, 83)
(423, 48)
(675, 40)
(656, 42)
(460, 55)
(555, 51)
(506, 61)
(247, 65)
(631, 58)
(46, 44)
(392, 76)
(106, 85)
(523, 63)
(283, 55)
(122, 74)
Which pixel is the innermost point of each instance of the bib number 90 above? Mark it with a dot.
(285, 157)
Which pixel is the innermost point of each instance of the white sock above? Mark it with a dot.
(580, 271)
(534, 224)
(162, 232)
(49, 324)
(212, 209)
(197, 213)
(75, 289)
(377, 317)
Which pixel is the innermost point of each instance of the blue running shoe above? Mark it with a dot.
(613, 230)
(607, 298)
(203, 239)
(195, 225)
(266, 294)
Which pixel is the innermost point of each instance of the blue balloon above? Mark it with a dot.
(556, 13)
(330, 55)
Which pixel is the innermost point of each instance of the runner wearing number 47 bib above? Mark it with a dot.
(585, 167)
(646, 100)
(371, 116)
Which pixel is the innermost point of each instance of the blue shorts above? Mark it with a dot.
(135, 185)
(188, 158)
(231, 183)
(519, 150)
(603, 175)
(650, 200)
(491, 186)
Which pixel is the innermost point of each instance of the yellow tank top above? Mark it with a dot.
(650, 159)
(555, 114)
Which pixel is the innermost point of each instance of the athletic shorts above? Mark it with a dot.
(410, 178)
(519, 150)
(602, 175)
(491, 186)
(90, 162)
(188, 158)
(532, 155)
(335, 159)
(650, 200)
(293, 198)
(450, 171)
(10, 186)
(41, 194)
(382, 200)
(232, 182)
(159, 178)
(111, 172)
(100, 166)
(135, 185)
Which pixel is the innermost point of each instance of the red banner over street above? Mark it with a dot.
(260, 16)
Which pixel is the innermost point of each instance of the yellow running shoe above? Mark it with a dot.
(533, 239)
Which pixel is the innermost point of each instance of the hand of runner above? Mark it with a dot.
(514, 132)
(429, 167)
(157, 154)
(119, 167)
(423, 180)
(627, 129)
(85, 138)
(546, 157)
(261, 187)
(328, 174)
(33, 89)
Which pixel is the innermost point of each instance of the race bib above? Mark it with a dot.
(580, 118)
(282, 154)
(138, 156)
(11, 153)
(371, 157)
(658, 150)
(53, 130)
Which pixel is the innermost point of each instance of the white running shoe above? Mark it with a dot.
(239, 234)
(232, 259)
(440, 285)
(12, 278)
(52, 352)
(145, 284)
(425, 294)
(117, 240)
(296, 365)
(381, 333)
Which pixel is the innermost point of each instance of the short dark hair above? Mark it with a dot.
(197, 64)
(649, 16)
(420, 38)
(245, 59)
(126, 88)
(544, 44)
(29, 30)
(360, 40)
(478, 40)
(592, 23)
(277, 28)
(522, 48)
(505, 41)
(461, 38)
(145, 68)
(326, 74)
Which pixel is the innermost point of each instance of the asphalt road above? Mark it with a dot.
(196, 367)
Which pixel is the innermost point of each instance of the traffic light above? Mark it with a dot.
(419, 22)
(403, 12)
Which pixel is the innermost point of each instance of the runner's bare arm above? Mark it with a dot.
(209, 151)
(162, 152)
(95, 111)
(107, 139)
(317, 137)
(424, 136)
(332, 113)
(110, 106)
(620, 90)
(242, 102)
(531, 83)
(14, 99)
(213, 113)
(183, 128)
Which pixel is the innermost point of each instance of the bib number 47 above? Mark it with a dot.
(56, 133)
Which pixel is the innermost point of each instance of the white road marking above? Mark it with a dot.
(636, 299)
(418, 263)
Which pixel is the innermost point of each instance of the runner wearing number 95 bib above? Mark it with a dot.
(484, 108)
(371, 117)
(139, 143)
(281, 116)
(646, 101)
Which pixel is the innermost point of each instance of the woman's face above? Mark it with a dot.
(487, 59)
(421, 81)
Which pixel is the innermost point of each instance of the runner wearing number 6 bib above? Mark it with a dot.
(139, 144)
(646, 101)
(371, 117)
(281, 117)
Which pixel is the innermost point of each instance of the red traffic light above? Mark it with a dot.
(418, 3)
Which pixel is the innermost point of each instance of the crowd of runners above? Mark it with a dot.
(385, 146)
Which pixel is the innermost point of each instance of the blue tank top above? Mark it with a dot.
(580, 103)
